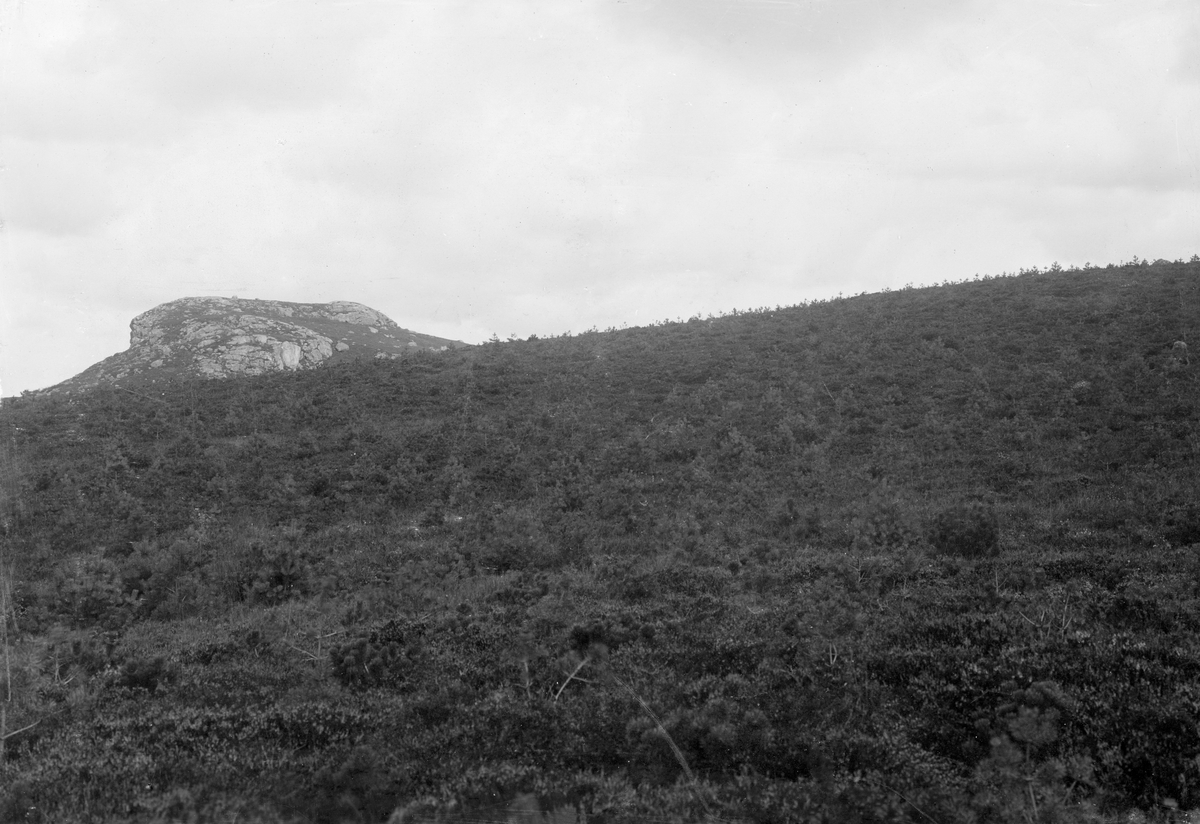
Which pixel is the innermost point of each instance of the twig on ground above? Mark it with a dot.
(571, 677)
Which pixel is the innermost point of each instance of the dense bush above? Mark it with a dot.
(145, 674)
(388, 657)
(881, 522)
(971, 530)
(1183, 526)
(672, 573)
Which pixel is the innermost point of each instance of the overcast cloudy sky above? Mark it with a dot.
(511, 167)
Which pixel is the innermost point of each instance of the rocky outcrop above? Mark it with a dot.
(217, 337)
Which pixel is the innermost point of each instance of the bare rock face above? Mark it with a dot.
(218, 337)
(226, 336)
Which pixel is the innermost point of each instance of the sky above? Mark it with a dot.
(517, 167)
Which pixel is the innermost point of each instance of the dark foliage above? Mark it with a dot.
(736, 568)
(971, 530)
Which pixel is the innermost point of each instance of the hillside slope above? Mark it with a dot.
(929, 553)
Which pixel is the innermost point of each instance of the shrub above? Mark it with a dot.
(273, 575)
(1015, 784)
(91, 595)
(512, 539)
(720, 736)
(881, 523)
(796, 523)
(366, 663)
(359, 789)
(69, 651)
(387, 657)
(165, 578)
(145, 674)
(970, 529)
(1183, 526)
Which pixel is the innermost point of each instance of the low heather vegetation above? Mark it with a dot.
(924, 556)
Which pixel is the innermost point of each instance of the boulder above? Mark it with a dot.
(217, 337)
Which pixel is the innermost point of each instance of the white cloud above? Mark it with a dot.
(533, 167)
